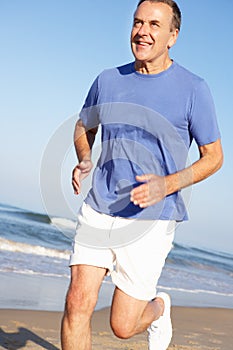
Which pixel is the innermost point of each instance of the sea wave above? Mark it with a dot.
(63, 223)
(195, 291)
(33, 249)
(184, 256)
(18, 213)
(33, 273)
(7, 212)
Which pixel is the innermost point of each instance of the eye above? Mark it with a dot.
(154, 24)
(137, 23)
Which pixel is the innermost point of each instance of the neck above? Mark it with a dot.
(152, 68)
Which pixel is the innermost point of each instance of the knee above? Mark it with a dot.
(79, 303)
(122, 329)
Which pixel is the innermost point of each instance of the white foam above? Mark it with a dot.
(64, 223)
(25, 248)
(33, 273)
(196, 291)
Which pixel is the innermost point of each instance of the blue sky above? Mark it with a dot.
(51, 51)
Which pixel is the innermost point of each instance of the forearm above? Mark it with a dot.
(211, 158)
(83, 141)
(154, 188)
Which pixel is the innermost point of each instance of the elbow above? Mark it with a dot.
(219, 159)
(217, 156)
(220, 162)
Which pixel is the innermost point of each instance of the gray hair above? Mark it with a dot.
(176, 20)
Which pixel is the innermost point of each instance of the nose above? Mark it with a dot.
(144, 29)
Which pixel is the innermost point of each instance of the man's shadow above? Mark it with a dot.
(18, 340)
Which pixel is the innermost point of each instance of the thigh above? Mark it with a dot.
(84, 288)
(87, 277)
(139, 265)
(126, 311)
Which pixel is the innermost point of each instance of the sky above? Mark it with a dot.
(51, 51)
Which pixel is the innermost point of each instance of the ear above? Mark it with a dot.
(173, 38)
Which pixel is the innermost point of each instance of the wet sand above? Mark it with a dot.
(194, 328)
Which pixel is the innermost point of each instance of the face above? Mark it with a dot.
(151, 35)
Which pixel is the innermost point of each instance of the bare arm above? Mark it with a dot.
(211, 159)
(157, 187)
(83, 142)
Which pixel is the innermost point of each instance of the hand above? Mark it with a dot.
(80, 172)
(151, 192)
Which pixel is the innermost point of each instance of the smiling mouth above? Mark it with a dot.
(143, 43)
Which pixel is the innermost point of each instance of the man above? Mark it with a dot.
(149, 111)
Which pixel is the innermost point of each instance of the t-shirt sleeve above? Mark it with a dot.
(89, 113)
(203, 124)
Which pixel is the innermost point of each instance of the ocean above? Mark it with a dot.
(34, 256)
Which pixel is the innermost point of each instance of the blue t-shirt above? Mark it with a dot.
(147, 123)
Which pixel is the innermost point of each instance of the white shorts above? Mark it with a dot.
(134, 267)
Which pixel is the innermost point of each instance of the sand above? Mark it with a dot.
(194, 328)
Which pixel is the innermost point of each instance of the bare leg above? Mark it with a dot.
(130, 316)
(80, 303)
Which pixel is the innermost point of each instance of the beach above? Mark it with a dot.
(34, 277)
(31, 311)
(194, 328)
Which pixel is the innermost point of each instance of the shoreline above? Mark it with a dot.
(193, 329)
(34, 292)
(31, 310)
